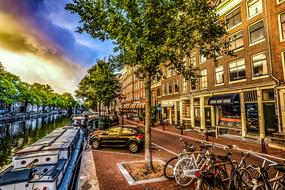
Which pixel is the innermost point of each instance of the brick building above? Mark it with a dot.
(244, 94)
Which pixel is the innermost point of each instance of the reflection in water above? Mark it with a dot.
(15, 136)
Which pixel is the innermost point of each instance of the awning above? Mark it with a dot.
(224, 99)
(126, 106)
(133, 105)
(141, 105)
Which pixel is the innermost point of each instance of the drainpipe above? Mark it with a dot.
(277, 107)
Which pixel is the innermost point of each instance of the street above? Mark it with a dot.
(166, 144)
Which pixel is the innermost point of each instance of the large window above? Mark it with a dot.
(237, 70)
(169, 71)
(202, 59)
(254, 7)
(256, 32)
(169, 87)
(259, 65)
(192, 60)
(283, 63)
(236, 41)
(219, 73)
(233, 18)
(176, 86)
(282, 25)
(204, 80)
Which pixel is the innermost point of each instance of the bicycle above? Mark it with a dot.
(216, 174)
(186, 167)
(262, 181)
(170, 164)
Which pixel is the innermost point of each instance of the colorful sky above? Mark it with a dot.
(38, 42)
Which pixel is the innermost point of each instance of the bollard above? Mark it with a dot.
(163, 126)
(207, 136)
(263, 146)
(181, 129)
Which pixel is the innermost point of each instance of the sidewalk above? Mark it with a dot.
(200, 137)
(88, 175)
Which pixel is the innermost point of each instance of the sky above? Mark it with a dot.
(38, 42)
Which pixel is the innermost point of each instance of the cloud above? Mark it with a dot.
(34, 59)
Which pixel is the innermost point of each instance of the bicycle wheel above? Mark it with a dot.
(168, 169)
(242, 180)
(184, 171)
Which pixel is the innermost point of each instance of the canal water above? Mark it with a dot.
(16, 135)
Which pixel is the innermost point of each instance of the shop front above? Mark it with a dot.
(228, 113)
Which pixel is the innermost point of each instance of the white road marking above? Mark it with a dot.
(165, 149)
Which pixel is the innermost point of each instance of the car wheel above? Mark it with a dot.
(95, 144)
(133, 147)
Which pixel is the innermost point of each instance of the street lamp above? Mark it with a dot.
(122, 100)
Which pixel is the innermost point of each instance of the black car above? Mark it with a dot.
(118, 136)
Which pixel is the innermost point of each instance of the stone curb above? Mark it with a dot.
(88, 179)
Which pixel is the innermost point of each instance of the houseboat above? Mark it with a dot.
(48, 164)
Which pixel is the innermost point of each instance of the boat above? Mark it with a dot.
(48, 164)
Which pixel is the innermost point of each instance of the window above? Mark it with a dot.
(192, 60)
(256, 32)
(128, 131)
(283, 63)
(254, 7)
(282, 25)
(219, 73)
(184, 85)
(236, 41)
(193, 84)
(169, 87)
(259, 65)
(233, 18)
(204, 80)
(237, 70)
(268, 95)
(176, 86)
(202, 59)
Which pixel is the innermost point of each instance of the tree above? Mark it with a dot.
(8, 88)
(99, 86)
(148, 33)
(26, 94)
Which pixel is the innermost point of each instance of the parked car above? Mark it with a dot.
(131, 137)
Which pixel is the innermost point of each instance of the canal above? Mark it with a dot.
(16, 135)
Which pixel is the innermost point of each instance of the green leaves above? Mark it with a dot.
(100, 85)
(12, 90)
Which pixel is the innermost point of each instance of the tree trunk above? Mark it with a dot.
(148, 151)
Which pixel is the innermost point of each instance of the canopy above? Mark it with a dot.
(224, 99)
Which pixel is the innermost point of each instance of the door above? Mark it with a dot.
(197, 117)
(270, 118)
(208, 119)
